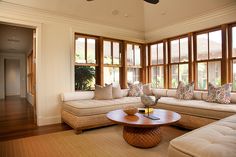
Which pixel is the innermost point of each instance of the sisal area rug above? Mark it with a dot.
(102, 142)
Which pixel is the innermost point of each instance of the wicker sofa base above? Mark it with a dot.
(85, 122)
(193, 122)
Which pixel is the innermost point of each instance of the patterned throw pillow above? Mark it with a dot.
(211, 96)
(188, 91)
(185, 91)
(223, 94)
(147, 89)
(180, 90)
(135, 90)
(219, 94)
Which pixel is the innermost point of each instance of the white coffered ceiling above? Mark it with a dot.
(130, 14)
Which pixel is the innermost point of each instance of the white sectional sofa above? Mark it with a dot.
(217, 139)
(195, 113)
(81, 111)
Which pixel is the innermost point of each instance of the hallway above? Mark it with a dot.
(16, 115)
(17, 120)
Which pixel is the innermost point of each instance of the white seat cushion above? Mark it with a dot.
(214, 140)
(197, 107)
(94, 107)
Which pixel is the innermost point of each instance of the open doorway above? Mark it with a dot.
(17, 79)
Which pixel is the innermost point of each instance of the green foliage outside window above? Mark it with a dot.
(84, 76)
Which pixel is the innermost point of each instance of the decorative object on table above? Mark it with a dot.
(149, 101)
(145, 110)
(130, 110)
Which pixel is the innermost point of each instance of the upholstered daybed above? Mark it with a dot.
(81, 111)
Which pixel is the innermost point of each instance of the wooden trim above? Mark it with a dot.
(149, 63)
(100, 69)
(224, 67)
(190, 64)
(230, 45)
(84, 64)
(123, 80)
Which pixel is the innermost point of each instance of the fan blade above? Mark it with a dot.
(152, 1)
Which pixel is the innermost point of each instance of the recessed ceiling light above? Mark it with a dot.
(89, 0)
(126, 15)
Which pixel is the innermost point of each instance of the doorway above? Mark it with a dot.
(12, 77)
(17, 99)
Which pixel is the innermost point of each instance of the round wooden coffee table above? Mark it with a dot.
(140, 131)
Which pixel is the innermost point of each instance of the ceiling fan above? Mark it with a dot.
(152, 1)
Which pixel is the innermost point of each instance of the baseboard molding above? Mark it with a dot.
(41, 121)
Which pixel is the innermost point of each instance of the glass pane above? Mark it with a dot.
(160, 53)
(166, 52)
(107, 52)
(158, 77)
(234, 41)
(234, 75)
(84, 78)
(130, 54)
(202, 46)
(80, 50)
(183, 73)
(137, 55)
(133, 75)
(174, 76)
(154, 54)
(174, 51)
(111, 75)
(91, 51)
(215, 44)
(202, 76)
(214, 73)
(116, 53)
(184, 50)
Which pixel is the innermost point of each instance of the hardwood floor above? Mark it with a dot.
(17, 120)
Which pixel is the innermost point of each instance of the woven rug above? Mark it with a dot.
(102, 142)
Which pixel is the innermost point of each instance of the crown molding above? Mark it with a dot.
(38, 15)
(216, 17)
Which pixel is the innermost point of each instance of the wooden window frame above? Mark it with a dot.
(140, 67)
(189, 62)
(164, 65)
(30, 62)
(230, 50)
(221, 60)
(112, 64)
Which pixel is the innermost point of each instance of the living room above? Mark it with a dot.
(120, 42)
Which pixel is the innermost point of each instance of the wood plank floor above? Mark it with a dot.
(17, 120)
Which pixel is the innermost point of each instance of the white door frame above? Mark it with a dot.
(38, 27)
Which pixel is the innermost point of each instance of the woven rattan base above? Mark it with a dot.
(142, 137)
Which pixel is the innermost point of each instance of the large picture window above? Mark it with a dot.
(133, 62)
(232, 55)
(208, 58)
(179, 61)
(85, 62)
(157, 65)
(112, 55)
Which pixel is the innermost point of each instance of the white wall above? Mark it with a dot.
(54, 69)
(12, 77)
(13, 56)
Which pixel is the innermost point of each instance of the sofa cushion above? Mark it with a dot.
(171, 93)
(159, 92)
(103, 93)
(94, 107)
(135, 90)
(197, 107)
(147, 89)
(80, 95)
(185, 91)
(117, 92)
(217, 139)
